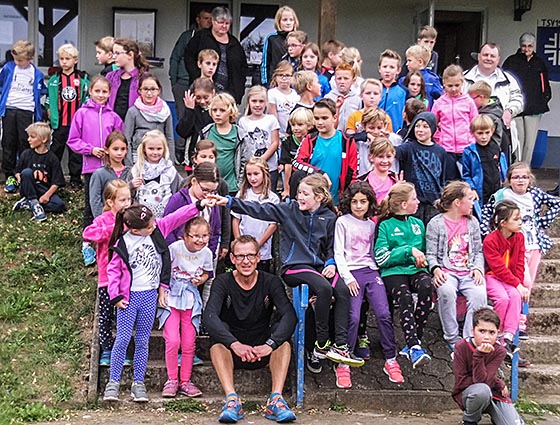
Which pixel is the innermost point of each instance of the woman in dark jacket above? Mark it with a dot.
(232, 65)
(532, 75)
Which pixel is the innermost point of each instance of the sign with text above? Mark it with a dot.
(548, 46)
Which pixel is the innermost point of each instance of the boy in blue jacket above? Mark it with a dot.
(21, 86)
(417, 58)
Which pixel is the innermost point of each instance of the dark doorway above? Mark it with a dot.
(459, 34)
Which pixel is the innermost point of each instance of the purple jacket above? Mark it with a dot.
(118, 272)
(114, 78)
(182, 198)
(90, 126)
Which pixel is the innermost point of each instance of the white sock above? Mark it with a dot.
(85, 245)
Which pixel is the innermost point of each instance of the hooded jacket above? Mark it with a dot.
(454, 115)
(90, 126)
(392, 102)
(115, 82)
(533, 77)
(305, 238)
(423, 165)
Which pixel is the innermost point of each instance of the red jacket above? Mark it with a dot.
(349, 169)
(505, 258)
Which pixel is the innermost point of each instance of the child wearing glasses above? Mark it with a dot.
(149, 112)
(282, 98)
(520, 188)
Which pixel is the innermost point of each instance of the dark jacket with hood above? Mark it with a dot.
(533, 78)
(423, 165)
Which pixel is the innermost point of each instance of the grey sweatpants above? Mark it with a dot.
(477, 399)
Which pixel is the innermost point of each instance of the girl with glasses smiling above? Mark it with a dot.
(149, 112)
(282, 97)
(521, 189)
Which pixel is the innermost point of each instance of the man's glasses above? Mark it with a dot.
(242, 257)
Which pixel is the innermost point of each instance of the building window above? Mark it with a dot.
(13, 26)
(58, 25)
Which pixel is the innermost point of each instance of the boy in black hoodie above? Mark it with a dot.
(424, 163)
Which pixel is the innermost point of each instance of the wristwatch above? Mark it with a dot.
(271, 343)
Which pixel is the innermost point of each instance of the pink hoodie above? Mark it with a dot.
(100, 231)
(454, 116)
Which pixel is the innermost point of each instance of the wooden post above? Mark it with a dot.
(327, 20)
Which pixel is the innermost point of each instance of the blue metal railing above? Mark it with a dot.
(515, 360)
(300, 300)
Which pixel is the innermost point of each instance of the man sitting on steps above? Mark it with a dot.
(238, 319)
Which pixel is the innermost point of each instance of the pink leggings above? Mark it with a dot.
(179, 331)
(507, 303)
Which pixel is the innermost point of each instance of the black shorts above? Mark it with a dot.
(240, 364)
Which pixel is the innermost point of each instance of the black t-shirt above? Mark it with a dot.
(490, 161)
(234, 314)
(46, 167)
(121, 100)
(290, 146)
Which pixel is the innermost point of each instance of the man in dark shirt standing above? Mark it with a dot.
(238, 319)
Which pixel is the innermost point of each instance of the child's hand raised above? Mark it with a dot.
(220, 201)
(208, 202)
(189, 100)
(485, 347)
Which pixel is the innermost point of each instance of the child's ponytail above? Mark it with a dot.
(398, 194)
(503, 211)
(118, 231)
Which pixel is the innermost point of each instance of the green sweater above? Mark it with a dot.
(396, 237)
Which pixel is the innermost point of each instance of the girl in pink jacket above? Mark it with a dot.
(89, 129)
(139, 261)
(454, 112)
(117, 197)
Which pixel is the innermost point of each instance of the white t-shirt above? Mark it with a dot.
(284, 105)
(185, 265)
(20, 95)
(144, 261)
(527, 210)
(254, 227)
(259, 136)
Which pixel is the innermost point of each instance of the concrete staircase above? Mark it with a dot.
(426, 390)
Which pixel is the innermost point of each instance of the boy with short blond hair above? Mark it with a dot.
(67, 91)
(208, 62)
(104, 54)
(393, 95)
(330, 51)
(21, 88)
(481, 93)
(39, 174)
(417, 58)
(346, 98)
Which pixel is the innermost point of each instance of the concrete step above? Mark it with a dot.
(554, 229)
(542, 349)
(554, 252)
(544, 321)
(253, 382)
(549, 271)
(545, 295)
(540, 379)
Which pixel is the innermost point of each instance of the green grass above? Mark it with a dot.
(46, 309)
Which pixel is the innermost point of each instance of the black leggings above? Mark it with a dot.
(400, 288)
(106, 320)
(324, 290)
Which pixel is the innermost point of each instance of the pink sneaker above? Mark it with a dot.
(170, 389)
(343, 379)
(393, 371)
(189, 389)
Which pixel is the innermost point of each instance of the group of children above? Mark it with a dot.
(380, 199)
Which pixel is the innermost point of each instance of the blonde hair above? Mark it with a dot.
(320, 187)
(302, 79)
(452, 71)
(283, 67)
(398, 194)
(373, 115)
(105, 43)
(111, 190)
(482, 122)
(208, 54)
(278, 17)
(229, 102)
(368, 81)
(255, 91)
(41, 129)
(245, 185)
(419, 52)
(517, 166)
(351, 56)
(69, 49)
(301, 116)
(23, 49)
(481, 88)
(381, 146)
(148, 137)
(452, 191)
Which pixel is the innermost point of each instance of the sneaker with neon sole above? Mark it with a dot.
(278, 410)
(341, 354)
(232, 411)
(362, 350)
(105, 358)
(11, 185)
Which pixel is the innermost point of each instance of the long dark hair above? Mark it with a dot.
(351, 191)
